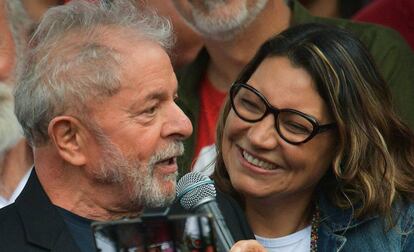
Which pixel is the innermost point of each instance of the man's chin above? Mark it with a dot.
(169, 192)
(161, 194)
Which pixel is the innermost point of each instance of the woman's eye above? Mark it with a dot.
(296, 128)
(249, 105)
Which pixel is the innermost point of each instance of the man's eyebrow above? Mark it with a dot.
(154, 95)
(157, 95)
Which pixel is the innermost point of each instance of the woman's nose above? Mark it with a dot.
(263, 134)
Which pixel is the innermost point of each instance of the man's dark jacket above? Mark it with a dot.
(33, 223)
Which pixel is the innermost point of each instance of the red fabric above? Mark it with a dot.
(396, 14)
(210, 104)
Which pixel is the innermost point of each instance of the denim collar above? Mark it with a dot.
(338, 220)
(334, 224)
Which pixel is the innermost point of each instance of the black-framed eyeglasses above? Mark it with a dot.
(293, 126)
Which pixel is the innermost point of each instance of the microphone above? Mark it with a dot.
(196, 192)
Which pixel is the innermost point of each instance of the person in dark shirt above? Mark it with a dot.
(396, 14)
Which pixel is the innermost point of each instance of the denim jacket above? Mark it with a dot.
(337, 233)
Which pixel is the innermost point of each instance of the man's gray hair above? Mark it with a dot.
(70, 63)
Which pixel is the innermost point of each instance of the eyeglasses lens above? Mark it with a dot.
(250, 107)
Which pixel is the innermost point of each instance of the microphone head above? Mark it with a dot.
(195, 188)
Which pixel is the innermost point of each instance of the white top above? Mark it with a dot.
(206, 160)
(4, 202)
(296, 242)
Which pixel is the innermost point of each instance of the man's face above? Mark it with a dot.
(219, 19)
(139, 130)
(146, 189)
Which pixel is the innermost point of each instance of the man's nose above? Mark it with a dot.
(178, 124)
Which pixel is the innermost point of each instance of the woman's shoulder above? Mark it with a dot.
(370, 232)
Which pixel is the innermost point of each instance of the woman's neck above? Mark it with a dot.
(274, 218)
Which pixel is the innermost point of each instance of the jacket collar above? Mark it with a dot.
(335, 222)
(338, 220)
(42, 222)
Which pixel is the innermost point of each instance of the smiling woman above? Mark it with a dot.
(310, 145)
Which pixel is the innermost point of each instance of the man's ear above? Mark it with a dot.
(69, 137)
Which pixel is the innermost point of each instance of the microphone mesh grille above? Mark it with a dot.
(194, 195)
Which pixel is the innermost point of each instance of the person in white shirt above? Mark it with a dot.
(15, 154)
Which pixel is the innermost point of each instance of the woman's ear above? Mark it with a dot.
(69, 138)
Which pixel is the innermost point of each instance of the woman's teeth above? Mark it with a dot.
(257, 162)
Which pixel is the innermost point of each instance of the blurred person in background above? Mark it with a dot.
(334, 8)
(188, 42)
(310, 145)
(35, 9)
(15, 154)
(232, 31)
(396, 14)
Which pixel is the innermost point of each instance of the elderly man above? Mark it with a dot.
(232, 32)
(15, 154)
(97, 103)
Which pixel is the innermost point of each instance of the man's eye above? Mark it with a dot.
(150, 111)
